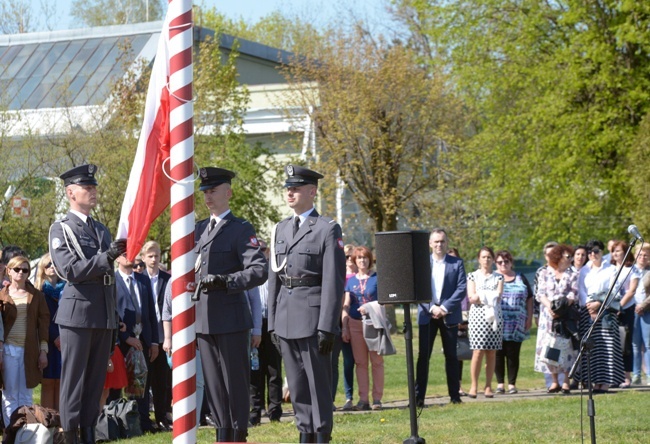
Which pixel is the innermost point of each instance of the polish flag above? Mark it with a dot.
(148, 191)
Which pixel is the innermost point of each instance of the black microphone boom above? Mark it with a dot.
(634, 231)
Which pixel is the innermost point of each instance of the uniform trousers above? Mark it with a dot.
(15, 392)
(226, 371)
(361, 357)
(84, 357)
(309, 375)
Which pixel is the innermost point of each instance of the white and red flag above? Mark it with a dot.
(148, 191)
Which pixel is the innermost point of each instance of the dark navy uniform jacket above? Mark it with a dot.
(231, 249)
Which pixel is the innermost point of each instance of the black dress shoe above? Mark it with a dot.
(254, 421)
(419, 403)
(455, 401)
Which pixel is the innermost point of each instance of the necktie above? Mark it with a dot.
(134, 300)
(296, 225)
(89, 221)
(213, 223)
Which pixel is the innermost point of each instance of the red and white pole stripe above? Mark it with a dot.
(182, 215)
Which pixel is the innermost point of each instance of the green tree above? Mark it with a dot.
(557, 92)
(110, 12)
(384, 125)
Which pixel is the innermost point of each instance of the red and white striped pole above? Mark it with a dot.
(182, 219)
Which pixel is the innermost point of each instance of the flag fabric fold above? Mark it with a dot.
(148, 191)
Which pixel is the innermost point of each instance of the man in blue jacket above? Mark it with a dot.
(443, 314)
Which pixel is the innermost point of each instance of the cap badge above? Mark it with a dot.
(91, 169)
(203, 173)
(290, 170)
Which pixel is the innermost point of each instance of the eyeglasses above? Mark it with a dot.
(48, 265)
(18, 270)
(568, 256)
(139, 265)
(595, 251)
(348, 257)
(505, 261)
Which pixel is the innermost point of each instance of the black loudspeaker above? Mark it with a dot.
(403, 267)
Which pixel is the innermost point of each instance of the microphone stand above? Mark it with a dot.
(408, 337)
(586, 345)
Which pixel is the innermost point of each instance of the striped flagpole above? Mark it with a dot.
(182, 219)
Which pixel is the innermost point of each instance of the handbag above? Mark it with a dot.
(556, 350)
(107, 428)
(34, 434)
(128, 417)
(463, 352)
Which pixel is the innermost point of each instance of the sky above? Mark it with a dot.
(252, 10)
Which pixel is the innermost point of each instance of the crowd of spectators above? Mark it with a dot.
(499, 305)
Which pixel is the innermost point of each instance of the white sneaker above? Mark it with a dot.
(348, 405)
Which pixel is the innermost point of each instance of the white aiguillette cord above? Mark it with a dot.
(274, 261)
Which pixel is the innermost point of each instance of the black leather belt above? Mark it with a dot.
(292, 282)
(106, 280)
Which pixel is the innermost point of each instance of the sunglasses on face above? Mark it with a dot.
(595, 251)
(568, 256)
(48, 265)
(503, 262)
(19, 270)
(348, 257)
(140, 265)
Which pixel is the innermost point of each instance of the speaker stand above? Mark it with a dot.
(408, 337)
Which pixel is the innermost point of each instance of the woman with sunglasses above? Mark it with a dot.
(26, 321)
(606, 358)
(49, 283)
(517, 310)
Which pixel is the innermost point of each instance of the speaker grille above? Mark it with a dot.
(403, 267)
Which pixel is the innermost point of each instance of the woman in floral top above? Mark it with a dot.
(558, 281)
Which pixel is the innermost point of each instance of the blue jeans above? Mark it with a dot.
(641, 341)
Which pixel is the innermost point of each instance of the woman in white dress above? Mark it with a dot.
(484, 289)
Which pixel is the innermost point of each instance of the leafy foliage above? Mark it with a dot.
(557, 91)
(384, 124)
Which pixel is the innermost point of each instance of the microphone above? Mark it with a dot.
(634, 231)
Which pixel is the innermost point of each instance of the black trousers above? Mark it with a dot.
(159, 376)
(509, 354)
(269, 375)
(449, 336)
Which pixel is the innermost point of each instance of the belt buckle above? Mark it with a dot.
(288, 282)
(108, 280)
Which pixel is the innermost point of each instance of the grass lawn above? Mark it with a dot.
(620, 416)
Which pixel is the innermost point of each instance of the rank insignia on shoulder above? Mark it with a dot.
(254, 242)
(339, 241)
(56, 243)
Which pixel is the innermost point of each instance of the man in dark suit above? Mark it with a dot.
(306, 284)
(160, 374)
(443, 314)
(135, 305)
(266, 382)
(230, 261)
(83, 255)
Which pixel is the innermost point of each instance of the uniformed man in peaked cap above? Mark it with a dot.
(306, 284)
(83, 255)
(230, 263)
